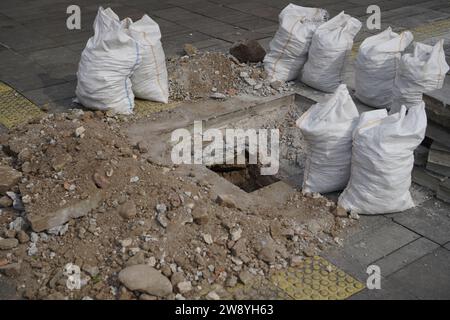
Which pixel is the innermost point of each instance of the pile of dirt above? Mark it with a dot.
(146, 214)
(218, 75)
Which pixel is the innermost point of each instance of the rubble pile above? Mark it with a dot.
(216, 75)
(135, 230)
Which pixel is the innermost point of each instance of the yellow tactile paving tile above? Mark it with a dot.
(316, 279)
(15, 109)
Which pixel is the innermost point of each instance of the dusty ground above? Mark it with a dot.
(146, 214)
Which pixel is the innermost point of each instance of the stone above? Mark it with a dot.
(245, 277)
(162, 219)
(276, 84)
(60, 161)
(79, 132)
(138, 258)
(7, 244)
(314, 227)
(100, 180)
(226, 201)
(296, 261)
(127, 210)
(184, 286)
(267, 254)
(248, 51)
(9, 178)
(218, 96)
(309, 251)
(189, 49)
(208, 238)
(231, 281)
(22, 236)
(235, 234)
(18, 224)
(212, 296)
(5, 202)
(144, 278)
(340, 212)
(200, 215)
(161, 208)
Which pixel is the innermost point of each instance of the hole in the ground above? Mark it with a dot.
(246, 176)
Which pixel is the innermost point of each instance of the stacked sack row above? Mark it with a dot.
(309, 48)
(123, 60)
(370, 155)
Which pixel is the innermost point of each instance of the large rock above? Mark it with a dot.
(248, 51)
(7, 244)
(9, 178)
(146, 279)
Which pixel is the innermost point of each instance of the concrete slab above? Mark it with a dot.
(428, 277)
(405, 255)
(52, 93)
(431, 220)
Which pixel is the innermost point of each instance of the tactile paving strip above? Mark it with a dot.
(314, 279)
(15, 109)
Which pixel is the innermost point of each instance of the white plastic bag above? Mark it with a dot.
(106, 65)
(289, 47)
(330, 45)
(382, 160)
(327, 129)
(149, 80)
(376, 65)
(419, 72)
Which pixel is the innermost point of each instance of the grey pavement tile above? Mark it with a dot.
(52, 93)
(428, 277)
(177, 14)
(53, 56)
(243, 34)
(375, 242)
(405, 255)
(447, 246)
(211, 42)
(20, 38)
(255, 23)
(390, 290)
(431, 219)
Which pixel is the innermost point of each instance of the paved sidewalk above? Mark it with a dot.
(39, 58)
(39, 55)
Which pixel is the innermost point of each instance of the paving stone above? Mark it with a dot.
(54, 56)
(375, 242)
(20, 38)
(447, 246)
(390, 290)
(405, 255)
(53, 93)
(428, 277)
(431, 219)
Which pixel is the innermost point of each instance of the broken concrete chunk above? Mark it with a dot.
(145, 279)
(45, 220)
(248, 51)
(9, 178)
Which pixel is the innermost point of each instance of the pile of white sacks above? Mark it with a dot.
(123, 60)
(369, 156)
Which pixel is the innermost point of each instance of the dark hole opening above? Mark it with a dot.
(246, 176)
